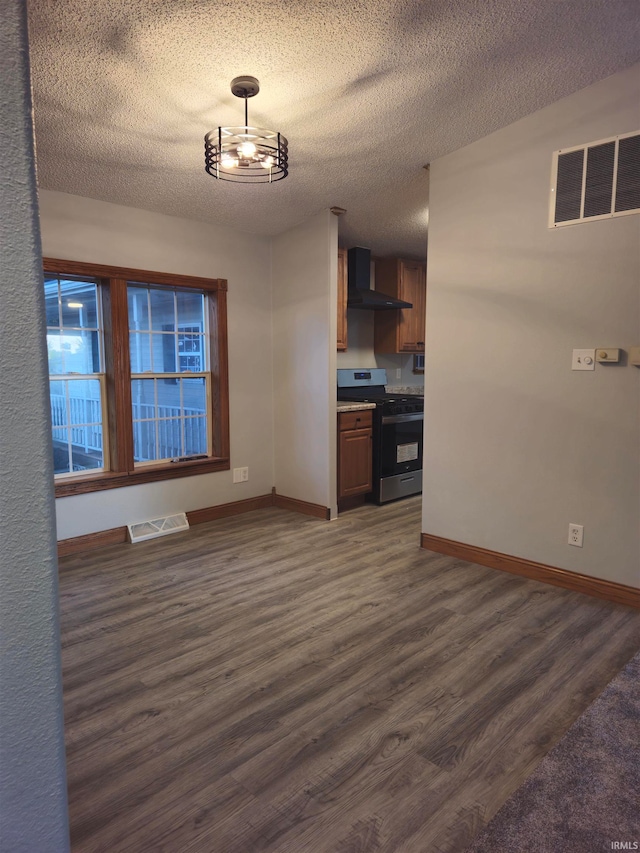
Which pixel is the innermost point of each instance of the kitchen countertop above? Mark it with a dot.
(346, 406)
(405, 390)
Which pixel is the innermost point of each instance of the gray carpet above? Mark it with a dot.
(585, 793)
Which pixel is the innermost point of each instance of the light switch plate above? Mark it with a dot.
(607, 356)
(583, 359)
(634, 356)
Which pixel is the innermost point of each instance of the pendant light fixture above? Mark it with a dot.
(246, 154)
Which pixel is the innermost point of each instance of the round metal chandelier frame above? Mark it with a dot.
(246, 154)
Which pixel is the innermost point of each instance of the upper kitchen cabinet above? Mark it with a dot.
(342, 300)
(401, 330)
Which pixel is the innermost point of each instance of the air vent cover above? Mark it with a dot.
(158, 527)
(595, 181)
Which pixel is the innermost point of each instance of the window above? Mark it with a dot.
(76, 378)
(169, 386)
(138, 375)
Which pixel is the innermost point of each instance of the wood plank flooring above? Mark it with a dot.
(273, 682)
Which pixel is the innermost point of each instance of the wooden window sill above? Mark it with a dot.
(149, 474)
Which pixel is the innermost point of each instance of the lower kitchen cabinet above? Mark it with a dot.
(354, 453)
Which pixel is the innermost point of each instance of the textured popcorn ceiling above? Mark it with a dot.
(366, 91)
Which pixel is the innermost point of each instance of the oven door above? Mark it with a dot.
(401, 443)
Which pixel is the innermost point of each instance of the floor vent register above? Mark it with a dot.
(158, 527)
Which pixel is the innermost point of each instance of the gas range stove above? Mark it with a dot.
(397, 432)
(368, 386)
(391, 404)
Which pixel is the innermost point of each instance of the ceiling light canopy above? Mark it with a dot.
(249, 155)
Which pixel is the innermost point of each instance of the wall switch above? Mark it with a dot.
(240, 475)
(576, 534)
(634, 356)
(610, 356)
(583, 359)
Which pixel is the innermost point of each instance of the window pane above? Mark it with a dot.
(51, 301)
(169, 402)
(80, 351)
(140, 351)
(143, 399)
(79, 304)
(169, 418)
(76, 403)
(191, 364)
(163, 317)
(74, 347)
(195, 436)
(190, 309)
(54, 351)
(73, 352)
(170, 413)
(84, 404)
(61, 464)
(164, 353)
(169, 438)
(190, 349)
(138, 301)
(194, 394)
(57, 394)
(144, 441)
(86, 448)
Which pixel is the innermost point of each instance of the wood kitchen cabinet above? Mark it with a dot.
(354, 453)
(342, 300)
(401, 330)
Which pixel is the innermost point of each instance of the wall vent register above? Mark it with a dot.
(597, 180)
(143, 530)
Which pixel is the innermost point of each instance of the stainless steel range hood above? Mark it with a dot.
(360, 294)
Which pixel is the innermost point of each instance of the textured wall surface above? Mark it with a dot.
(33, 813)
(517, 445)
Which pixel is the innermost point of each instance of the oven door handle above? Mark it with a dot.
(402, 419)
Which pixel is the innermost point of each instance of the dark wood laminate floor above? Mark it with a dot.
(272, 682)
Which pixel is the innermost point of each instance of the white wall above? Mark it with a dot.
(82, 229)
(304, 272)
(33, 791)
(516, 444)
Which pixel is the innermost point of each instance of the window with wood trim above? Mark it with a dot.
(138, 375)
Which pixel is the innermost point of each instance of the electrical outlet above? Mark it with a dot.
(398, 373)
(576, 533)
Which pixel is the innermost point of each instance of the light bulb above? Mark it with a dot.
(267, 163)
(228, 161)
(75, 304)
(246, 149)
